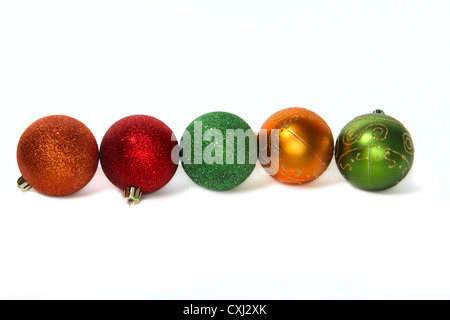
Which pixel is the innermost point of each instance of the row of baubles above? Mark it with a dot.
(58, 155)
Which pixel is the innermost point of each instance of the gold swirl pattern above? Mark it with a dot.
(407, 143)
(322, 123)
(387, 156)
(346, 165)
(353, 134)
(286, 125)
(284, 171)
(358, 157)
(404, 173)
(370, 116)
(278, 115)
(283, 115)
(296, 172)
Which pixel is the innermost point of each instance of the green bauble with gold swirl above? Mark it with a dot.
(374, 151)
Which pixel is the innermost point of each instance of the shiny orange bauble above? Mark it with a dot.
(57, 155)
(305, 146)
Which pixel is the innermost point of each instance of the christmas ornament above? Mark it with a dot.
(57, 155)
(138, 154)
(302, 149)
(374, 151)
(219, 150)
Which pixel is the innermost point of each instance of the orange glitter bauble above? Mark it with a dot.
(57, 156)
(305, 145)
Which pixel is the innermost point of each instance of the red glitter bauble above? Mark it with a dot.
(136, 152)
(57, 155)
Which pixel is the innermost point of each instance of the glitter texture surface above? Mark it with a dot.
(57, 155)
(137, 152)
(216, 176)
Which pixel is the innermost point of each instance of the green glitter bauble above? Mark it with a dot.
(219, 150)
(374, 151)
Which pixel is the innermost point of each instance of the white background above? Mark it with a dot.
(99, 61)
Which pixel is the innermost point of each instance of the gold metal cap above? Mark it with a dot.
(132, 195)
(23, 185)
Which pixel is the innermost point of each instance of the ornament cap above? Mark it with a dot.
(379, 111)
(132, 195)
(23, 185)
